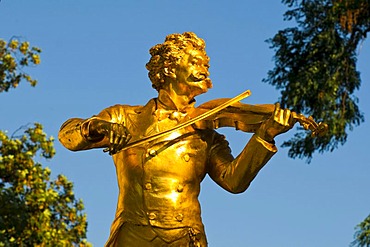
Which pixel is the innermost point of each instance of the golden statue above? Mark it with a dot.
(162, 155)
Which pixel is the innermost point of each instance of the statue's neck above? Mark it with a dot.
(174, 101)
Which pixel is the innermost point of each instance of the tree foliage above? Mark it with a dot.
(315, 68)
(14, 56)
(362, 235)
(34, 209)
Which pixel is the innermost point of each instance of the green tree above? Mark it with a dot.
(362, 235)
(14, 56)
(315, 70)
(34, 210)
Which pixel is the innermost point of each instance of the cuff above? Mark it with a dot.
(268, 145)
(85, 130)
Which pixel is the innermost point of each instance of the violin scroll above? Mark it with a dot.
(308, 123)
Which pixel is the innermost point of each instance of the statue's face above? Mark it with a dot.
(191, 74)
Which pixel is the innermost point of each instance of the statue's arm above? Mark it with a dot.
(75, 135)
(236, 174)
(106, 130)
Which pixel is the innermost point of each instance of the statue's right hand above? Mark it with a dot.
(118, 138)
(117, 134)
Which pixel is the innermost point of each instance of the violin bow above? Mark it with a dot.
(237, 98)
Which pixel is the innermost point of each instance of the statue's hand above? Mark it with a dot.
(118, 137)
(116, 134)
(280, 122)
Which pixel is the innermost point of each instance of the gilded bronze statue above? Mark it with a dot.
(163, 150)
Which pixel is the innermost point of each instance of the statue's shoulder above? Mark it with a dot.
(122, 109)
(136, 109)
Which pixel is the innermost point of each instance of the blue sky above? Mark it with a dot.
(94, 56)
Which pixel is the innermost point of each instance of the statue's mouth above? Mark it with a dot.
(197, 78)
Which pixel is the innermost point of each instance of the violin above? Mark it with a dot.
(248, 118)
(229, 112)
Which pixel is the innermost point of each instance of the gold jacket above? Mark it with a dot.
(159, 182)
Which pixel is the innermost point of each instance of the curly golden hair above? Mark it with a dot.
(165, 56)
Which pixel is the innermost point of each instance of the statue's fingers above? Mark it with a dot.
(277, 112)
(287, 117)
(121, 141)
(128, 137)
(117, 134)
(292, 119)
(277, 107)
(118, 138)
(111, 137)
(113, 149)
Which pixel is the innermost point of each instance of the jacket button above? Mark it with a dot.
(152, 152)
(180, 188)
(186, 157)
(179, 217)
(148, 186)
(152, 216)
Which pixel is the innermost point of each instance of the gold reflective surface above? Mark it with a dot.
(159, 179)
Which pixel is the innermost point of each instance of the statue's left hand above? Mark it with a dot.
(280, 122)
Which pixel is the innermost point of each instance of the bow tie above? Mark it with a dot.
(171, 114)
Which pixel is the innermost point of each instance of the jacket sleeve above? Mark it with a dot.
(235, 175)
(74, 133)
